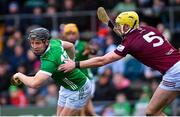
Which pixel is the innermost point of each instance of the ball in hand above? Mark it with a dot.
(15, 81)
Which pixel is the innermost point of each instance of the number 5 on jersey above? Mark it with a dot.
(149, 37)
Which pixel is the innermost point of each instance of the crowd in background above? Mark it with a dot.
(127, 83)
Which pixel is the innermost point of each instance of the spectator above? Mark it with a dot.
(158, 6)
(4, 77)
(87, 5)
(51, 11)
(134, 70)
(8, 50)
(127, 5)
(108, 111)
(13, 10)
(104, 89)
(165, 32)
(177, 15)
(40, 101)
(17, 97)
(31, 4)
(31, 95)
(18, 56)
(37, 19)
(31, 61)
(141, 104)
(121, 84)
(144, 3)
(120, 108)
(51, 97)
(22, 68)
(4, 99)
(54, 3)
(115, 65)
(100, 38)
(149, 73)
(107, 72)
(68, 6)
(19, 39)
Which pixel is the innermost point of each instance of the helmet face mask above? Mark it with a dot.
(122, 29)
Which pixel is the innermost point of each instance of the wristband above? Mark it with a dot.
(77, 64)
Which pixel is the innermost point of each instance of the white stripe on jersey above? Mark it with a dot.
(45, 72)
(71, 84)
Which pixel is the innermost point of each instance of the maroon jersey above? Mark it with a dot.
(149, 46)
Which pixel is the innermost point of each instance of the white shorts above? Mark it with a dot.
(171, 80)
(93, 87)
(75, 99)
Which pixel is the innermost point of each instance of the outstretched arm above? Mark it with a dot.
(90, 63)
(32, 81)
(69, 47)
(100, 61)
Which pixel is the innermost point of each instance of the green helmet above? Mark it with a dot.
(39, 33)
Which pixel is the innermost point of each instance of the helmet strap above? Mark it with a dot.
(132, 27)
(44, 41)
(134, 24)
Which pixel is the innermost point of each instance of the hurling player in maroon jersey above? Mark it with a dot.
(148, 46)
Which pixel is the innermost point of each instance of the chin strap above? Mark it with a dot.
(132, 27)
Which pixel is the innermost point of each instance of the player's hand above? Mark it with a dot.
(90, 50)
(87, 51)
(15, 79)
(67, 67)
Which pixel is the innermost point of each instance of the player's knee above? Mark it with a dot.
(149, 112)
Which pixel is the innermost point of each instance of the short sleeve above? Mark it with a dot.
(121, 50)
(48, 66)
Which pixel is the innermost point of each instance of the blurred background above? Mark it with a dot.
(123, 88)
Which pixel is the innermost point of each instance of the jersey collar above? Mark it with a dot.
(46, 49)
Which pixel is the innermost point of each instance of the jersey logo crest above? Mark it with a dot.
(120, 48)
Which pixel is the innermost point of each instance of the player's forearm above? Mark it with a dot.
(100, 61)
(93, 62)
(27, 80)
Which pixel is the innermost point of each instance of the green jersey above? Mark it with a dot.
(55, 56)
(80, 46)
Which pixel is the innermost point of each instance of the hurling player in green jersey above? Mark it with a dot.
(70, 33)
(76, 87)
